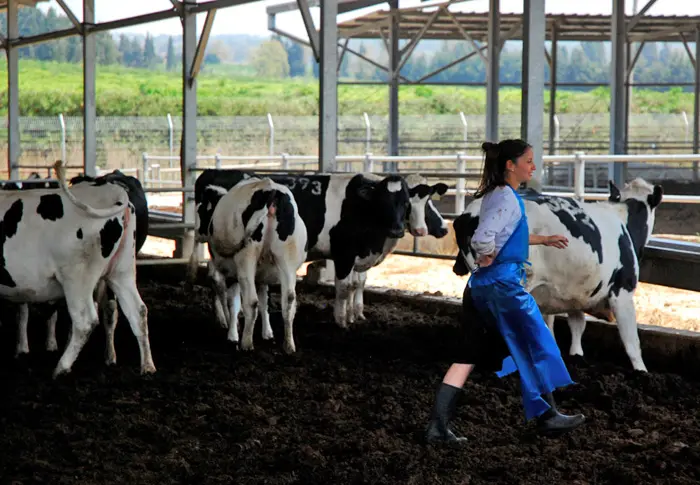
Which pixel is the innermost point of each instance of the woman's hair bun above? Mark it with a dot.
(487, 146)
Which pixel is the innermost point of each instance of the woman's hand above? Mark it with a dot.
(484, 260)
(555, 241)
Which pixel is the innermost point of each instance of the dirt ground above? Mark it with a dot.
(349, 407)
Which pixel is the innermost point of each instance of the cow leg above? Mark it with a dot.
(220, 302)
(350, 302)
(124, 287)
(626, 316)
(264, 315)
(359, 304)
(22, 323)
(288, 302)
(84, 319)
(51, 343)
(549, 319)
(234, 300)
(110, 316)
(246, 264)
(577, 325)
(342, 294)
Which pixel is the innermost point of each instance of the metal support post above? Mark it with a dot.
(532, 111)
(696, 99)
(89, 105)
(188, 142)
(13, 148)
(328, 96)
(492, 71)
(394, 58)
(618, 118)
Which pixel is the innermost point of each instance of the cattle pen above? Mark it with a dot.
(350, 405)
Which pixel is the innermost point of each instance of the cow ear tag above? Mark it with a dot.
(435, 197)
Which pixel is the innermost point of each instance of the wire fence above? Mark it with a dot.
(121, 141)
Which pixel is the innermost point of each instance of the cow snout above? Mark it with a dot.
(396, 233)
(419, 232)
(442, 232)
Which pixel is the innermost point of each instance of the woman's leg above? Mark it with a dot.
(438, 430)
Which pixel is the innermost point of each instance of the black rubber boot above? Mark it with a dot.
(438, 430)
(552, 422)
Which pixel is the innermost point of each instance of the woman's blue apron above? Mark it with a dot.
(498, 291)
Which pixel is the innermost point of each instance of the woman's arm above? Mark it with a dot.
(555, 241)
(499, 209)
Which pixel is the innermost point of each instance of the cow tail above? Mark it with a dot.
(91, 211)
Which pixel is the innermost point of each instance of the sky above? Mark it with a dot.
(252, 18)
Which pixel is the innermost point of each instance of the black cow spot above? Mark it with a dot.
(597, 289)
(8, 229)
(464, 227)
(574, 218)
(258, 233)
(310, 195)
(284, 215)
(260, 199)
(624, 277)
(50, 207)
(637, 224)
(80, 234)
(109, 236)
(209, 199)
(119, 202)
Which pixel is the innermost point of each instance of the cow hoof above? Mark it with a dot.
(148, 369)
(361, 317)
(110, 361)
(289, 347)
(247, 347)
(21, 352)
(60, 371)
(52, 347)
(268, 336)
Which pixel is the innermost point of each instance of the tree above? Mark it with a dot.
(170, 61)
(270, 60)
(150, 58)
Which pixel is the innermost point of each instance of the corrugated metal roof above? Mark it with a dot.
(579, 27)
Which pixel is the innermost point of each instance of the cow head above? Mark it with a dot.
(464, 227)
(423, 218)
(389, 202)
(641, 199)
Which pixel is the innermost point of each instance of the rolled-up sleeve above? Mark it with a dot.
(498, 209)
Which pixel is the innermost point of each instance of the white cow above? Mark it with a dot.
(59, 243)
(599, 269)
(258, 239)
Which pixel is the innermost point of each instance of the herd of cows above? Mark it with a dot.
(79, 243)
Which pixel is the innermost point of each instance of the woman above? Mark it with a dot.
(512, 334)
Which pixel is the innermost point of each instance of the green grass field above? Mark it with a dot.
(48, 88)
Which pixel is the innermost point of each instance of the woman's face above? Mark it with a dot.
(524, 167)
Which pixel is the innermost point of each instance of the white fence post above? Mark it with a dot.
(144, 169)
(62, 121)
(272, 133)
(465, 129)
(170, 139)
(368, 163)
(579, 176)
(285, 161)
(217, 161)
(460, 184)
(368, 132)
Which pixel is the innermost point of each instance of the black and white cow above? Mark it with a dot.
(257, 238)
(599, 270)
(59, 243)
(103, 296)
(349, 218)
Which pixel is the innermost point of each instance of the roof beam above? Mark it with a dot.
(467, 36)
(687, 49)
(632, 23)
(310, 29)
(202, 46)
(71, 16)
(408, 48)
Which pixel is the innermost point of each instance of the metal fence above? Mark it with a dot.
(122, 140)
